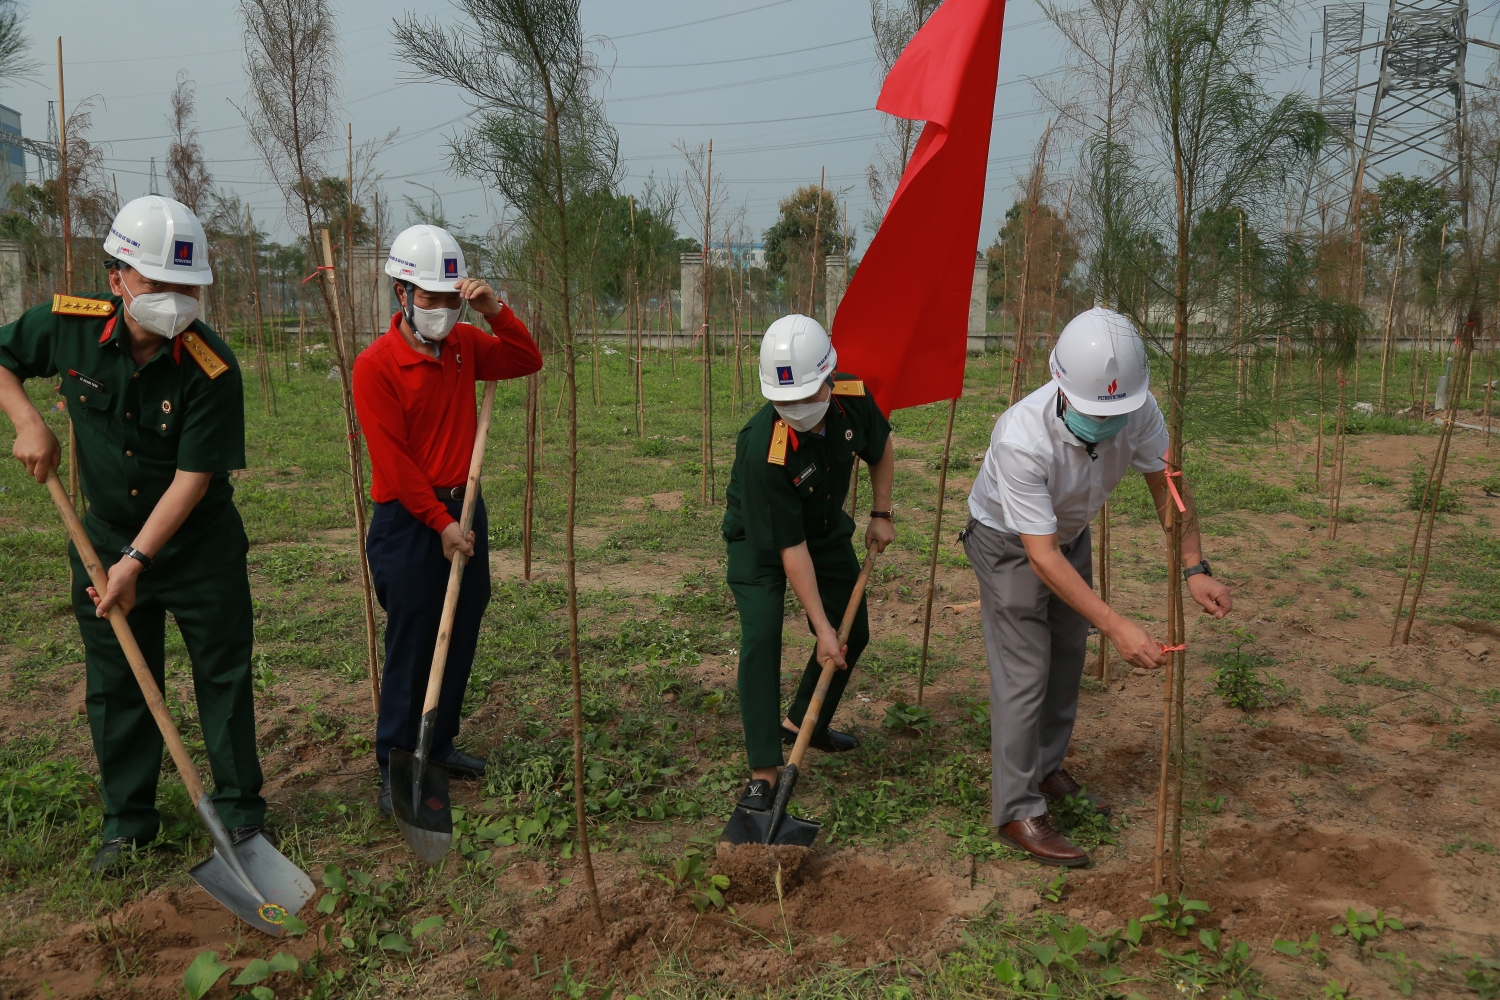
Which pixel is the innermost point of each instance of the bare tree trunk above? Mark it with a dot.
(261, 362)
(708, 384)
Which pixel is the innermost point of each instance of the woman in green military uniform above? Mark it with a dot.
(785, 523)
(156, 400)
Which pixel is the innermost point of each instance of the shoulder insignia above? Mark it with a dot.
(849, 387)
(213, 366)
(777, 454)
(75, 305)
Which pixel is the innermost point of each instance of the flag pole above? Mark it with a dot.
(937, 535)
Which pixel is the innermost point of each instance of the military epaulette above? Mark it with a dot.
(777, 454)
(76, 305)
(213, 366)
(849, 387)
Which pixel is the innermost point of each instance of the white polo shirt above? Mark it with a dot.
(1038, 478)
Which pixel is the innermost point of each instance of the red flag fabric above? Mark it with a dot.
(903, 324)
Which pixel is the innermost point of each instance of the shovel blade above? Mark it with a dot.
(427, 823)
(753, 826)
(282, 885)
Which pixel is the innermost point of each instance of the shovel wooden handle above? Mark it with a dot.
(815, 704)
(126, 638)
(456, 570)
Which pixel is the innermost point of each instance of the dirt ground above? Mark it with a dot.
(1374, 785)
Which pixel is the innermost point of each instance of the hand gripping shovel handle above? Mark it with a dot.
(815, 704)
(149, 690)
(455, 578)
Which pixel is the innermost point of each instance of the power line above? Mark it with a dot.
(689, 24)
(723, 62)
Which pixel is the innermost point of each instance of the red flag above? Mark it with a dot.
(903, 325)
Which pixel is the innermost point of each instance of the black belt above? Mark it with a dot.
(452, 493)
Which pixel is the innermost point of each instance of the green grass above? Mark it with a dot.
(665, 755)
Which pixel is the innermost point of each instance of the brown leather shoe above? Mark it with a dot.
(1060, 785)
(1037, 837)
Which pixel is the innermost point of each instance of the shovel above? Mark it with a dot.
(419, 788)
(774, 826)
(252, 879)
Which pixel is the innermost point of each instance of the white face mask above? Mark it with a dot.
(165, 314)
(434, 324)
(803, 416)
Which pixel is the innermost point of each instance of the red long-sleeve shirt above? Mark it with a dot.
(417, 412)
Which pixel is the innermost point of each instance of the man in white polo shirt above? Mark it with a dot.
(1054, 458)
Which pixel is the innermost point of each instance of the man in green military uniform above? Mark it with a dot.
(785, 523)
(156, 400)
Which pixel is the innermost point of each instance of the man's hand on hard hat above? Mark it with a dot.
(1134, 643)
(480, 297)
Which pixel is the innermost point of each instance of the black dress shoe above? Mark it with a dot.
(112, 856)
(831, 741)
(384, 802)
(462, 766)
(759, 794)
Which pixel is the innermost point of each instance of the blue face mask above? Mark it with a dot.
(1094, 430)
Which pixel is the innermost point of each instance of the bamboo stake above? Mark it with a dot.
(1434, 490)
(356, 474)
(1033, 196)
(65, 206)
(812, 285)
(1102, 670)
(1390, 312)
(1336, 488)
(937, 537)
(708, 386)
(533, 392)
(261, 362)
(349, 243)
(1318, 464)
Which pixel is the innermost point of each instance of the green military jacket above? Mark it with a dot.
(787, 488)
(183, 409)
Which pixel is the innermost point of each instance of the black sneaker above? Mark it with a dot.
(759, 794)
(462, 766)
(832, 741)
(112, 856)
(384, 802)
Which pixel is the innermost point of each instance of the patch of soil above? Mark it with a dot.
(140, 951)
(848, 908)
(752, 870)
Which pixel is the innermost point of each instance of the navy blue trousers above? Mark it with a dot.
(411, 578)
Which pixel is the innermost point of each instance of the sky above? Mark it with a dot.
(784, 88)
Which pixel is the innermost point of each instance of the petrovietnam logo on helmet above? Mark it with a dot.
(784, 375)
(1110, 393)
(450, 267)
(182, 253)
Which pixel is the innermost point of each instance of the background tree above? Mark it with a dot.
(789, 243)
(540, 138)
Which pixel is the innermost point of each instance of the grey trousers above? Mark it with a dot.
(1036, 646)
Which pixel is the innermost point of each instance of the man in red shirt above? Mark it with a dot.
(414, 393)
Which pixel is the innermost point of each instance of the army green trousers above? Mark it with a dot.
(200, 577)
(759, 586)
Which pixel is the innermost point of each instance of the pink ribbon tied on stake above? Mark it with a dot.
(316, 271)
(1176, 497)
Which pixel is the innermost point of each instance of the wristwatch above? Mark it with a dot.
(1202, 567)
(139, 556)
(882, 513)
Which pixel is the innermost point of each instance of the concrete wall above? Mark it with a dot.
(692, 294)
(11, 281)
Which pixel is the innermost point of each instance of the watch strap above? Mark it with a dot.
(1202, 567)
(130, 551)
(888, 515)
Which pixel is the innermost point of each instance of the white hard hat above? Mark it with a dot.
(795, 356)
(1100, 362)
(428, 257)
(162, 239)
